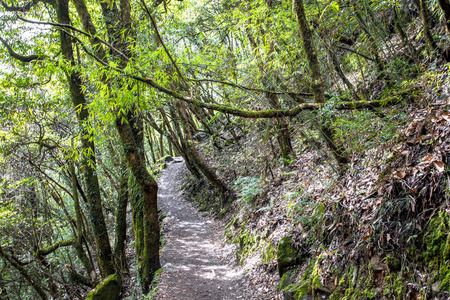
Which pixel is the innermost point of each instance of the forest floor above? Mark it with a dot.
(195, 262)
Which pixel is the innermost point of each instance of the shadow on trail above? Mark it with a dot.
(191, 256)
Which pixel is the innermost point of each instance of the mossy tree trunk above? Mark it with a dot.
(137, 193)
(425, 15)
(121, 220)
(149, 263)
(282, 129)
(317, 85)
(144, 203)
(78, 245)
(97, 219)
(445, 6)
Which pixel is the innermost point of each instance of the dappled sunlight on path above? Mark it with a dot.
(191, 256)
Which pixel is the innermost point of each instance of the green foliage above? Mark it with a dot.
(299, 207)
(363, 130)
(248, 188)
(269, 253)
(235, 52)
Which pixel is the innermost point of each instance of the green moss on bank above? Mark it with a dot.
(287, 255)
(108, 289)
(437, 251)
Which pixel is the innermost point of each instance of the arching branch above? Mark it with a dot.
(23, 8)
(272, 113)
(23, 58)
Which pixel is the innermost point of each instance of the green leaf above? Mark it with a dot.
(335, 6)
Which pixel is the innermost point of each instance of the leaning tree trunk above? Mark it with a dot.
(194, 155)
(317, 84)
(425, 14)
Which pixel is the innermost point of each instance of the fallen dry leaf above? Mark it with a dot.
(400, 174)
(439, 165)
(428, 159)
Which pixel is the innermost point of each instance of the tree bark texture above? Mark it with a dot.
(317, 84)
(121, 220)
(445, 6)
(425, 14)
(150, 256)
(96, 216)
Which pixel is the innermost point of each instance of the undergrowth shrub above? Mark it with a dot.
(248, 188)
(362, 130)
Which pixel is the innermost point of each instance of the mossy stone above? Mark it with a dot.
(287, 255)
(108, 289)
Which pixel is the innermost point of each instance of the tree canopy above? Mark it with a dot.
(94, 94)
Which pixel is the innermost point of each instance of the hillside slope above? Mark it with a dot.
(376, 229)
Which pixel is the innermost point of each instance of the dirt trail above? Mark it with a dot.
(193, 256)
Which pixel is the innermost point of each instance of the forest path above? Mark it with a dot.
(192, 256)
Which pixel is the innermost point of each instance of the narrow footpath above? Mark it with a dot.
(192, 257)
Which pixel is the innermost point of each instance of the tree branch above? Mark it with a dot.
(126, 58)
(13, 261)
(272, 113)
(24, 8)
(300, 94)
(54, 247)
(26, 59)
(162, 43)
(354, 51)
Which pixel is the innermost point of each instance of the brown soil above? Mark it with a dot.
(193, 257)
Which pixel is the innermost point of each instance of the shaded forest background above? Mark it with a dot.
(318, 129)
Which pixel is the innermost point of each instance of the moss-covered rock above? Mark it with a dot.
(108, 289)
(309, 286)
(287, 255)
